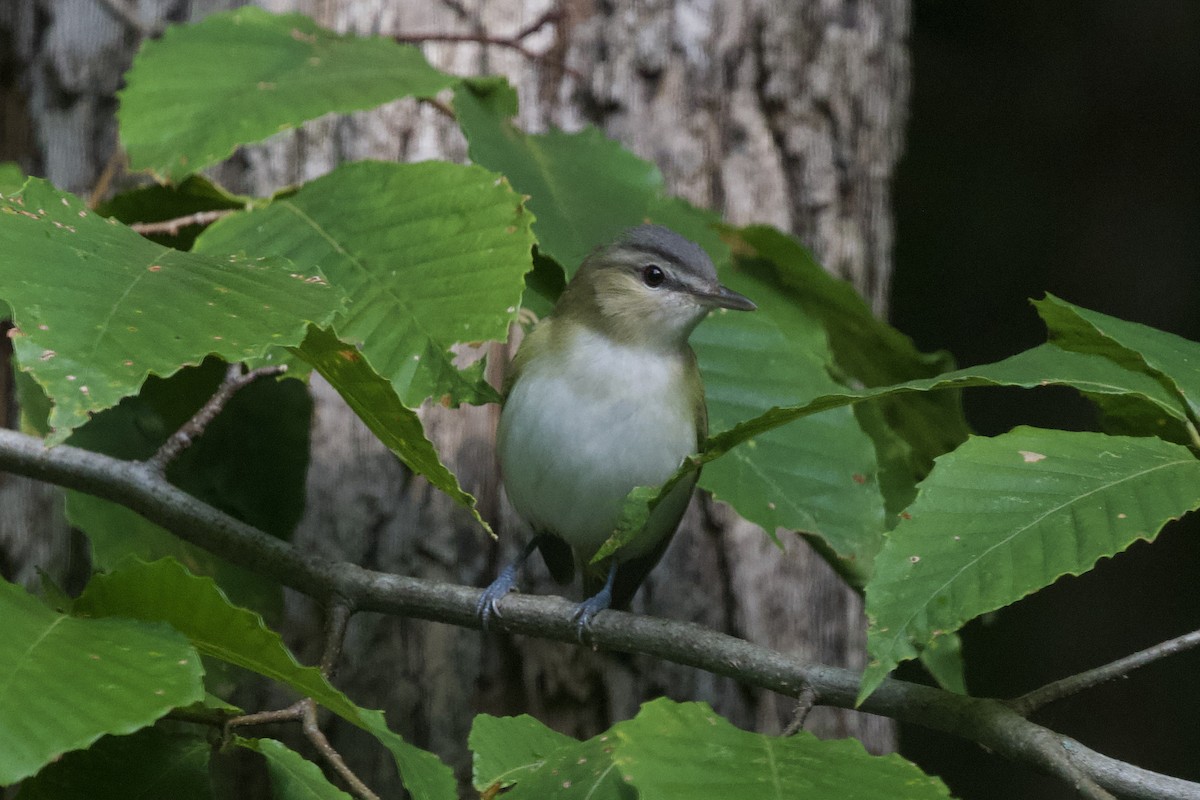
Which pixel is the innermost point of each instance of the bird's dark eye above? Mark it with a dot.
(653, 276)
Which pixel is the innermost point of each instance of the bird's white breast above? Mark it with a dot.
(584, 426)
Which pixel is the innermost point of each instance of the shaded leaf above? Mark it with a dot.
(105, 308)
(1000, 518)
(293, 777)
(65, 682)
(429, 255)
(584, 188)
(183, 110)
(195, 606)
(374, 400)
(1171, 360)
(819, 475)
(151, 763)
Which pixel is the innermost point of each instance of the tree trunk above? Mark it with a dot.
(767, 111)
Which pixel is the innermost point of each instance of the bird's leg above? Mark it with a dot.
(588, 609)
(505, 582)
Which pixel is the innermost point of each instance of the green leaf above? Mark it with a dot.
(584, 188)
(195, 606)
(200, 90)
(675, 750)
(293, 777)
(1000, 518)
(11, 177)
(867, 351)
(149, 763)
(374, 400)
(943, 658)
(65, 682)
(105, 308)
(577, 770)
(1171, 360)
(507, 749)
(818, 475)
(1045, 365)
(429, 255)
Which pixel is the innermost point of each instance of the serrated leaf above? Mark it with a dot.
(104, 308)
(819, 475)
(194, 606)
(506, 749)
(583, 187)
(1000, 518)
(151, 763)
(65, 682)
(429, 255)
(293, 777)
(866, 351)
(673, 750)
(200, 90)
(374, 400)
(1171, 360)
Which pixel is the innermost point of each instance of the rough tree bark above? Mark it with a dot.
(770, 111)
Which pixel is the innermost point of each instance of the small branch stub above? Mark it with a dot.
(194, 427)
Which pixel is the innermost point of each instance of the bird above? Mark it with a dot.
(605, 395)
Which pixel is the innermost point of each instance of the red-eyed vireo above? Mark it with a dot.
(605, 395)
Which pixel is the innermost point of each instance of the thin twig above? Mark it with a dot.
(515, 42)
(171, 227)
(305, 712)
(116, 159)
(332, 756)
(1030, 702)
(804, 704)
(337, 617)
(182, 439)
(990, 723)
(293, 713)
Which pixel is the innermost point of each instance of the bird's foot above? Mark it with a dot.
(586, 611)
(487, 608)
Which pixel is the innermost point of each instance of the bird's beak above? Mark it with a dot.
(723, 297)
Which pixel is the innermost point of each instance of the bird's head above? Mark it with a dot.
(649, 287)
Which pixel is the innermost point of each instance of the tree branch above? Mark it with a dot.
(171, 227)
(189, 431)
(515, 42)
(1028, 703)
(990, 723)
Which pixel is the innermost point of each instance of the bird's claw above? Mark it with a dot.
(586, 611)
(488, 608)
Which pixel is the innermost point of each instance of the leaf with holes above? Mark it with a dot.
(1000, 518)
(98, 308)
(183, 109)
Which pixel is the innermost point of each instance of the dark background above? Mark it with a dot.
(1055, 146)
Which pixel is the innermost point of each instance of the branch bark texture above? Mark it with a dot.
(991, 723)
